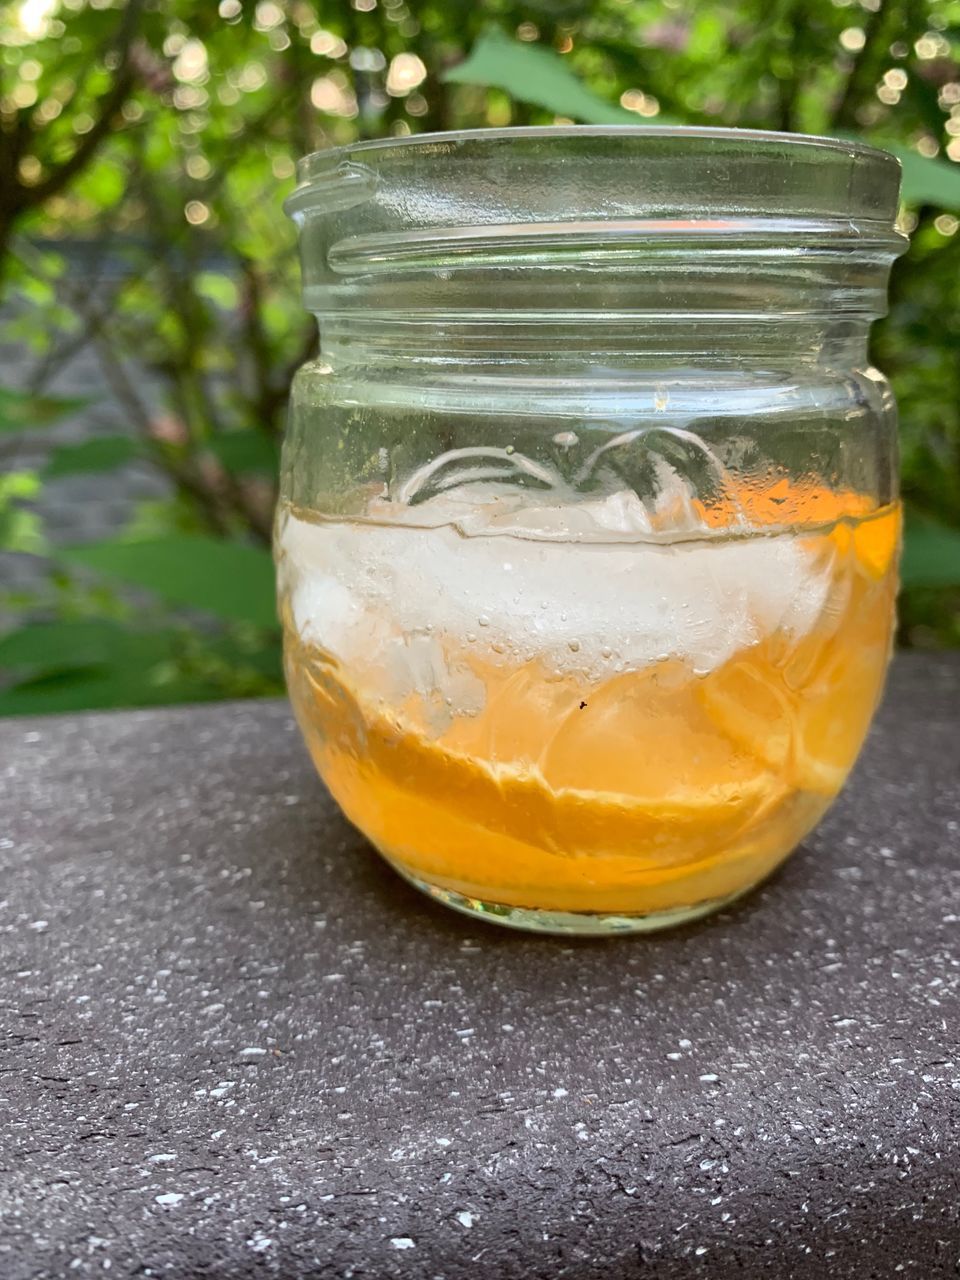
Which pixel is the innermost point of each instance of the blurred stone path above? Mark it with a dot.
(91, 505)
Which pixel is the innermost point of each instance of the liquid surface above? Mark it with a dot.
(569, 710)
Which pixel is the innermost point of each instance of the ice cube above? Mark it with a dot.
(486, 569)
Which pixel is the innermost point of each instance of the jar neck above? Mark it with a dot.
(586, 344)
(627, 293)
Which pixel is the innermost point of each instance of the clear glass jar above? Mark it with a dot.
(588, 533)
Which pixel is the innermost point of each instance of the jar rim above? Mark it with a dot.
(649, 215)
(319, 162)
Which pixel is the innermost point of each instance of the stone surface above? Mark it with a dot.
(236, 1045)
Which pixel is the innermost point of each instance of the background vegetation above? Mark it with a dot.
(152, 144)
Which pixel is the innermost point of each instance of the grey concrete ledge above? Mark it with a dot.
(236, 1046)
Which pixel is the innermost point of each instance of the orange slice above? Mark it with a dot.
(745, 699)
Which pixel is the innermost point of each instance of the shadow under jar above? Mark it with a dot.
(588, 529)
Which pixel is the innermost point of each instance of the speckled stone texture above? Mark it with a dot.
(237, 1046)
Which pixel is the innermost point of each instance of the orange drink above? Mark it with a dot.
(579, 715)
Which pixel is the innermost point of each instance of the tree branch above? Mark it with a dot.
(107, 107)
(845, 113)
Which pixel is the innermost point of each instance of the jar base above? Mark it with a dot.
(586, 924)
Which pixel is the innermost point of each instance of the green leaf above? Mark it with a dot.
(931, 554)
(103, 184)
(927, 181)
(72, 665)
(708, 37)
(242, 452)
(16, 485)
(19, 411)
(21, 531)
(43, 648)
(218, 288)
(530, 73)
(102, 453)
(20, 528)
(231, 580)
(80, 666)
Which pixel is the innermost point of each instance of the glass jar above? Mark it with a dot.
(588, 529)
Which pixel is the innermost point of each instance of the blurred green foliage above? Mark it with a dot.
(160, 136)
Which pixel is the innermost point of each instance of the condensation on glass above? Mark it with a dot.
(588, 532)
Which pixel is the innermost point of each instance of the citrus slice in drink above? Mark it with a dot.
(749, 706)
